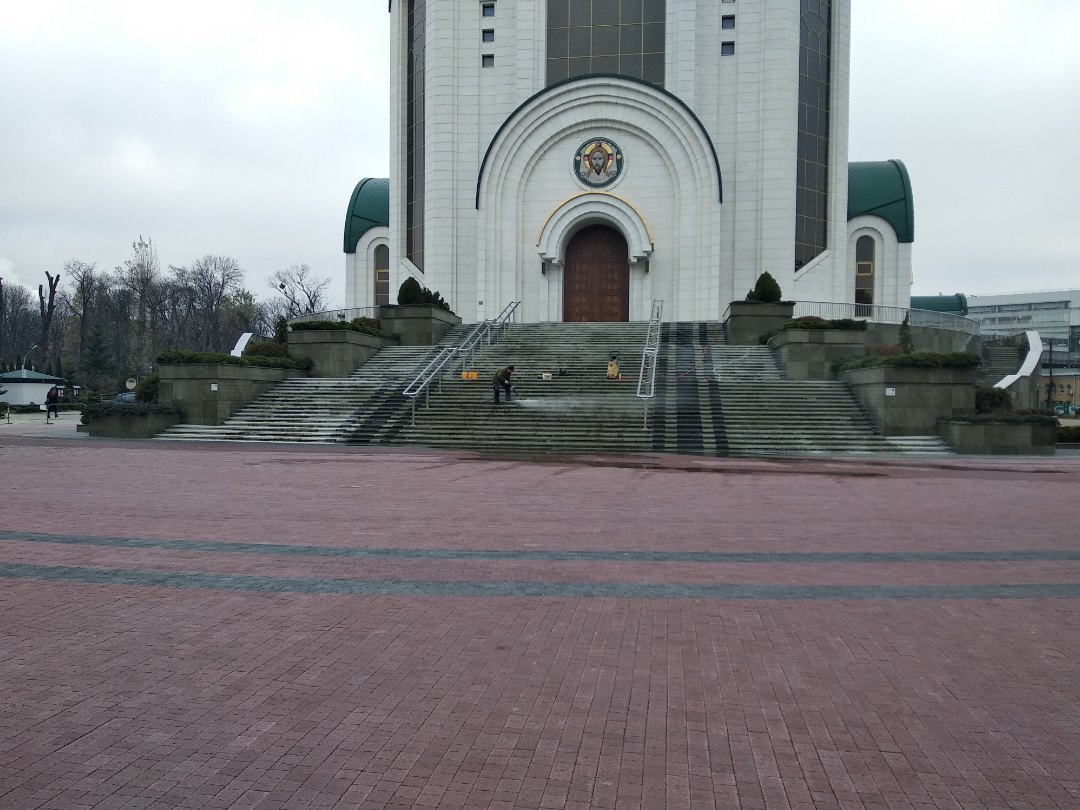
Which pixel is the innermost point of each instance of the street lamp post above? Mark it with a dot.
(27, 355)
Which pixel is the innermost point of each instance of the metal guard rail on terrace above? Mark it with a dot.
(646, 387)
(882, 314)
(338, 314)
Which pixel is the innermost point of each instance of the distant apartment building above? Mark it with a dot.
(1054, 314)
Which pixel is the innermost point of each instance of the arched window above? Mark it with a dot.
(382, 275)
(864, 275)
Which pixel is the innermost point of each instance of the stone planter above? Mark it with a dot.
(749, 320)
(335, 352)
(417, 325)
(138, 426)
(999, 438)
(909, 401)
(809, 354)
(209, 393)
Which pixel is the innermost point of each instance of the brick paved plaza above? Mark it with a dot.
(280, 627)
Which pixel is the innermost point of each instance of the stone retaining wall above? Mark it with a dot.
(209, 393)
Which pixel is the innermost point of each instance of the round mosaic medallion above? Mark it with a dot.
(598, 162)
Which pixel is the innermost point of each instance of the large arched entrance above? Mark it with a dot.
(596, 276)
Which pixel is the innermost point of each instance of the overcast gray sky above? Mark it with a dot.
(240, 127)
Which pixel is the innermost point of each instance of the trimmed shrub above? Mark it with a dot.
(906, 342)
(177, 357)
(410, 293)
(147, 389)
(1070, 434)
(266, 348)
(916, 360)
(1017, 418)
(281, 330)
(814, 322)
(992, 400)
(766, 290)
(127, 411)
(366, 326)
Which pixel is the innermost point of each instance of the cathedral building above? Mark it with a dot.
(585, 157)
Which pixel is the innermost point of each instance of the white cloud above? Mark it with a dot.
(7, 272)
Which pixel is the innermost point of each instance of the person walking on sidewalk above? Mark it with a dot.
(52, 402)
(502, 380)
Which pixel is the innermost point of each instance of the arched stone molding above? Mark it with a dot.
(360, 268)
(591, 208)
(671, 175)
(662, 106)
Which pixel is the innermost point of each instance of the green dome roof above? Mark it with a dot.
(368, 208)
(882, 189)
(955, 304)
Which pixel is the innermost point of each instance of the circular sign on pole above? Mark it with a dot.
(131, 383)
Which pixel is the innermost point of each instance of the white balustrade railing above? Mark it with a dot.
(646, 387)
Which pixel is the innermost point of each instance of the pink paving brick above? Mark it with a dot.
(260, 680)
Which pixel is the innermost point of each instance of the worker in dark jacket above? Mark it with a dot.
(502, 380)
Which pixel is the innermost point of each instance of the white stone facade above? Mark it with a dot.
(705, 201)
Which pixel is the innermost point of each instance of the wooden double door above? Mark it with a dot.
(596, 276)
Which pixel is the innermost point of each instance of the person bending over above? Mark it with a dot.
(502, 380)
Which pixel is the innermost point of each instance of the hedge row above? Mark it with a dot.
(1070, 435)
(176, 357)
(366, 326)
(1015, 418)
(914, 360)
(129, 410)
(814, 322)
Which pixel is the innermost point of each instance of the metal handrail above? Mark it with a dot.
(646, 387)
(876, 313)
(421, 384)
(338, 315)
(486, 333)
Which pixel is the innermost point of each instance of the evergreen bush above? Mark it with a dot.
(1070, 434)
(410, 293)
(126, 410)
(766, 290)
(266, 348)
(174, 357)
(906, 343)
(915, 360)
(992, 400)
(147, 389)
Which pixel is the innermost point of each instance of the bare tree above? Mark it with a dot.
(304, 294)
(214, 279)
(47, 310)
(141, 275)
(19, 322)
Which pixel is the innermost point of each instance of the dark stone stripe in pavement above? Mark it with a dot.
(884, 557)
(351, 587)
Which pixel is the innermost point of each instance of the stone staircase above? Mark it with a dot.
(998, 362)
(577, 410)
(326, 409)
(711, 399)
(733, 400)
